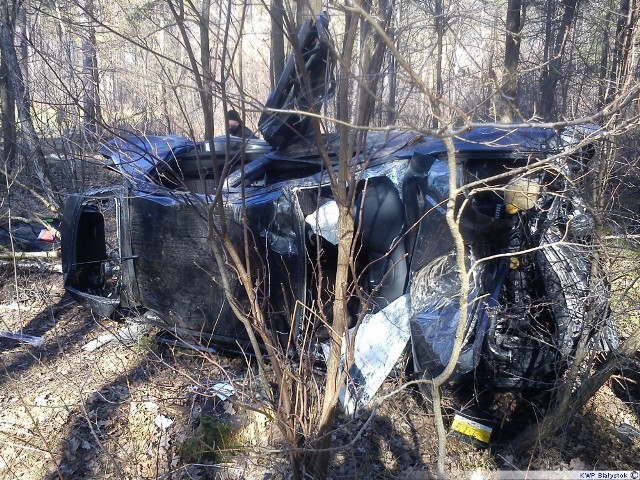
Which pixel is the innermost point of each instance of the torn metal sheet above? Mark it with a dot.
(378, 344)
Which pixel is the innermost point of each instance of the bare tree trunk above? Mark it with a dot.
(372, 51)
(603, 87)
(392, 77)
(277, 40)
(440, 25)
(205, 61)
(621, 62)
(511, 60)
(163, 91)
(22, 36)
(551, 75)
(320, 461)
(202, 79)
(23, 103)
(91, 101)
(8, 105)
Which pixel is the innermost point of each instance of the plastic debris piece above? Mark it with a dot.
(627, 429)
(48, 235)
(324, 221)
(41, 400)
(23, 337)
(471, 430)
(221, 390)
(162, 422)
(98, 342)
(126, 336)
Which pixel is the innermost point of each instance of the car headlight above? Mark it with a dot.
(521, 194)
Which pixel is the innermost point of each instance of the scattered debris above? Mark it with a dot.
(624, 432)
(221, 390)
(162, 422)
(627, 429)
(324, 221)
(23, 337)
(471, 430)
(126, 336)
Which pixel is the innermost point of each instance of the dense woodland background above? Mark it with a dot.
(74, 74)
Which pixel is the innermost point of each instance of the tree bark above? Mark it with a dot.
(621, 64)
(203, 79)
(372, 52)
(392, 77)
(205, 61)
(551, 75)
(511, 60)
(91, 101)
(16, 84)
(440, 26)
(8, 106)
(277, 40)
(603, 87)
(319, 463)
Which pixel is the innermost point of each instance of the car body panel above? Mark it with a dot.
(534, 269)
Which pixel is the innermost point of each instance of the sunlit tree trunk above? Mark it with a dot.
(603, 76)
(22, 38)
(556, 45)
(31, 141)
(205, 61)
(163, 90)
(8, 106)
(277, 40)
(392, 77)
(440, 26)
(511, 60)
(621, 57)
(91, 98)
(372, 53)
(319, 463)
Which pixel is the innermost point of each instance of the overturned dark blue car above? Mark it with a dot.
(536, 287)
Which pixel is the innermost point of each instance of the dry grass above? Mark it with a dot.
(134, 412)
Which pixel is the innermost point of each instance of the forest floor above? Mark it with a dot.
(140, 411)
(145, 410)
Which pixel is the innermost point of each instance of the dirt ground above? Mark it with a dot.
(138, 411)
